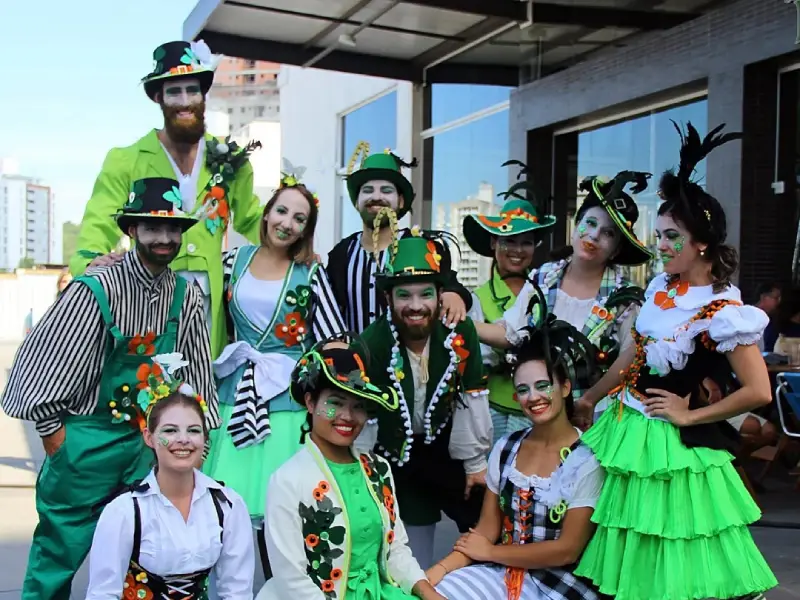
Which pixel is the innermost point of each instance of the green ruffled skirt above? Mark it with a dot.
(671, 520)
(247, 470)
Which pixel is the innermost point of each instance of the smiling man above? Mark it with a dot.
(81, 373)
(437, 441)
(215, 179)
(353, 263)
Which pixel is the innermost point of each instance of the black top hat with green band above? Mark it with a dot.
(181, 59)
(416, 260)
(154, 198)
(338, 368)
(385, 166)
(518, 215)
(622, 209)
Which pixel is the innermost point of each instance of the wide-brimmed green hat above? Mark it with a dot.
(382, 166)
(181, 59)
(154, 198)
(622, 209)
(517, 216)
(339, 369)
(416, 259)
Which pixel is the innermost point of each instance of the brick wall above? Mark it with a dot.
(712, 51)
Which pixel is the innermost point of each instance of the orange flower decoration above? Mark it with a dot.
(666, 299)
(221, 210)
(432, 257)
(602, 313)
(461, 352)
(365, 465)
(217, 193)
(144, 371)
(336, 574)
(318, 494)
(324, 486)
(293, 330)
(142, 344)
(390, 537)
(327, 586)
(312, 540)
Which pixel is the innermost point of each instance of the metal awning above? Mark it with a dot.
(498, 42)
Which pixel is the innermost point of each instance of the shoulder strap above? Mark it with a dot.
(137, 531)
(505, 453)
(102, 300)
(177, 303)
(219, 497)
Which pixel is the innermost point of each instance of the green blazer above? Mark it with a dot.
(201, 251)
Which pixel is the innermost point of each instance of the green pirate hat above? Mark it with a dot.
(338, 368)
(518, 215)
(415, 259)
(384, 166)
(622, 209)
(154, 198)
(181, 59)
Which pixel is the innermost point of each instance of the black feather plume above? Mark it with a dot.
(694, 150)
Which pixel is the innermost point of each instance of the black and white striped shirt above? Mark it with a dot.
(352, 270)
(58, 367)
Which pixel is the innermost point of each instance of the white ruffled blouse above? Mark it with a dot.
(672, 332)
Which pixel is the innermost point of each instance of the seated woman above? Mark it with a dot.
(542, 488)
(333, 528)
(162, 538)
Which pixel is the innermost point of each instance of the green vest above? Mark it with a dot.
(493, 305)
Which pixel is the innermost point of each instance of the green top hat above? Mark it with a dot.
(383, 166)
(338, 369)
(181, 59)
(622, 209)
(416, 260)
(154, 198)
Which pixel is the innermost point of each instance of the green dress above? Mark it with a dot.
(366, 534)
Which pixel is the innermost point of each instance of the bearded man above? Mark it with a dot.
(353, 263)
(438, 440)
(215, 179)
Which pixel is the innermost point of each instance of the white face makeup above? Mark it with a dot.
(287, 219)
(157, 242)
(178, 438)
(375, 195)
(541, 400)
(595, 238)
(184, 91)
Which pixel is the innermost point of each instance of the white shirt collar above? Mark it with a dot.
(202, 483)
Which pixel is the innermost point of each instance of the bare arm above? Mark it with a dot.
(492, 334)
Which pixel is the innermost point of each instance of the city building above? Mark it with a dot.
(246, 90)
(28, 231)
(570, 92)
(473, 269)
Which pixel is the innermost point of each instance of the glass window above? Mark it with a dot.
(467, 176)
(648, 143)
(375, 123)
(451, 101)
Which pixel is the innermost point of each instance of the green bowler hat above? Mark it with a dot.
(381, 166)
(417, 260)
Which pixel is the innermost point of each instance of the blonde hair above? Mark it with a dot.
(302, 250)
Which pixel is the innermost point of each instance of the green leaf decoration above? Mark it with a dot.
(189, 57)
(143, 399)
(139, 187)
(174, 196)
(213, 225)
(335, 553)
(159, 53)
(336, 534)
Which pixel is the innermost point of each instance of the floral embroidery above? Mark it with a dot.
(461, 353)
(299, 299)
(377, 473)
(135, 588)
(223, 159)
(293, 330)
(142, 344)
(322, 540)
(602, 313)
(148, 372)
(432, 256)
(124, 408)
(665, 299)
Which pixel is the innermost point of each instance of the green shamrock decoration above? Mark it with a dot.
(174, 196)
(189, 57)
(299, 298)
(213, 225)
(158, 56)
(135, 200)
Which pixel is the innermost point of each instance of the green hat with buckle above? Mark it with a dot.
(414, 259)
(384, 166)
(518, 215)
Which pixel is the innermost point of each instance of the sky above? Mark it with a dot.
(70, 86)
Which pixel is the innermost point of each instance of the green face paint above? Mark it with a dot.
(330, 412)
(679, 244)
(163, 441)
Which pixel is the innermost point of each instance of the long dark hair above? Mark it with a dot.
(695, 209)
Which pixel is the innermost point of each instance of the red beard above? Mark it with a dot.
(185, 130)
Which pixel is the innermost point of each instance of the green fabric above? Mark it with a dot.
(516, 217)
(672, 521)
(97, 457)
(384, 167)
(146, 158)
(493, 305)
(364, 581)
(247, 470)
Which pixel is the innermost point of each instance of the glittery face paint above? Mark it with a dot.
(674, 245)
(596, 237)
(338, 406)
(178, 438)
(339, 417)
(163, 441)
(287, 219)
(541, 399)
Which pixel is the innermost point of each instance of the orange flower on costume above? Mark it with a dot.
(324, 486)
(665, 299)
(318, 494)
(144, 371)
(312, 540)
(390, 537)
(292, 331)
(142, 344)
(461, 353)
(336, 574)
(327, 586)
(602, 313)
(220, 210)
(432, 257)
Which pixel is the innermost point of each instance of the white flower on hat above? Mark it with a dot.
(171, 362)
(204, 56)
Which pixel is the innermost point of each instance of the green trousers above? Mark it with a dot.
(96, 458)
